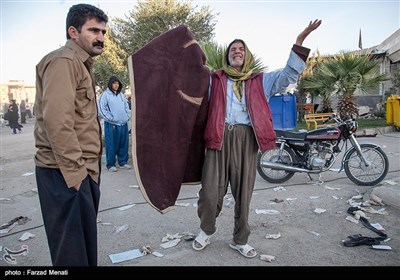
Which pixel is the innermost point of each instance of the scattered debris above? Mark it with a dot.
(26, 235)
(335, 197)
(106, 224)
(351, 219)
(267, 258)
(170, 244)
(314, 197)
(332, 189)
(381, 247)
(146, 250)
(278, 189)
(358, 214)
(182, 204)
(133, 186)
(117, 190)
(125, 256)
(267, 211)
(122, 208)
(7, 227)
(28, 174)
(277, 200)
(118, 229)
(319, 210)
(169, 237)
(5, 198)
(229, 201)
(313, 232)
(390, 182)
(291, 199)
(377, 200)
(273, 236)
(157, 254)
(35, 190)
(378, 226)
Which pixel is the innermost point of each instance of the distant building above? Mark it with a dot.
(18, 90)
(389, 53)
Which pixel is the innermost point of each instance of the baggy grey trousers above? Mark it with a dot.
(236, 165)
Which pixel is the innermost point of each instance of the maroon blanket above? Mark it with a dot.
(169, 82)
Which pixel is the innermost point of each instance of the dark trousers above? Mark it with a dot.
(236, 165)
(69, 218)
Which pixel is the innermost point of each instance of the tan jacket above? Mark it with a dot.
(67, 130)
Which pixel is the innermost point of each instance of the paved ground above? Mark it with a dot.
(144, 226)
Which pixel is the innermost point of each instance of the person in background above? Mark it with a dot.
(28, 109)
(22, 110)
(239, 125)
(114, 109)
(13, 117)
(68, 140)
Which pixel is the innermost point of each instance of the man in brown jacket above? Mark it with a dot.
(68, 138)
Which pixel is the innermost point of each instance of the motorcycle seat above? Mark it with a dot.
(291, 135)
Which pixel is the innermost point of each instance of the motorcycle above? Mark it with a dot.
(316, 151)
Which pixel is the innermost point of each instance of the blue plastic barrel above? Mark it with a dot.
(284, 111)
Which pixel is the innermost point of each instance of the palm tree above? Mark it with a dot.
(310, 82)
(342, 75)
(215, 54)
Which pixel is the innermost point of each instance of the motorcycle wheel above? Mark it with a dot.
(275, 175)
(366, 175)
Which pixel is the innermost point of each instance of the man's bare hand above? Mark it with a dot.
(310, 28)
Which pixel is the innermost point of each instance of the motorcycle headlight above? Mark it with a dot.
(352, 126)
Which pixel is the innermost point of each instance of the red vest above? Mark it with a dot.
(258, 108)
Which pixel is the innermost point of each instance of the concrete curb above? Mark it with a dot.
(374, 131)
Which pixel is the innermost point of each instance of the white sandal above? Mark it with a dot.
(244, 250)
(202, 239)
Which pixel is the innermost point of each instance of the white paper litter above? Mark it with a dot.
(106, 224)
(313, 232)
(157, 254)
(5, 198)
(170, 244)
(182, 204)
(314, 197)
(122, 208)
(278, 189)
(273, 236)
(332, 189)
(26, 235)
(133, 186)
(291, 199)
(169, 237)
(267, 258)
(351, 219)
(319, 210)
(381, 247)
(378, 226)
(267, 211)
(121, 228)
(28, 174)
(335, 197)
(390, 182)
(125, 256)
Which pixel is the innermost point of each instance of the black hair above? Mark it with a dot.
(80, 13)
(229, 46)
